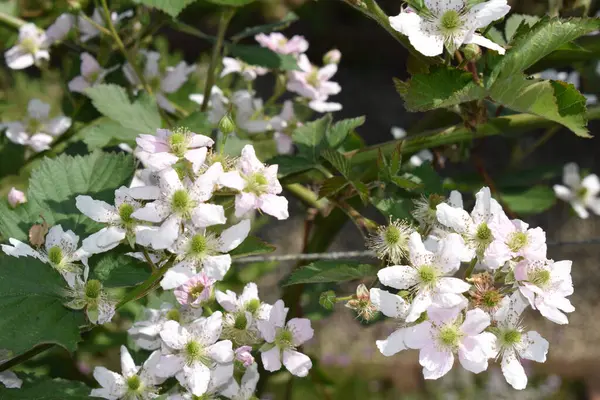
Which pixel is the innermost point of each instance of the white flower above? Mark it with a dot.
(475, 228)
(161, 83)
(283, 339)
(513, 343)
(134, 382)
(37, 130)
(285, 121)
(445, 334)
(32, 48)
(423, 156)
(60, 28)
(179, 202)
(90, 294)
(258, 185)
(428, 276)
(8, 378)
(60, 251)
(88, 31)
(166, 148)
(277, 42)
(449, 23)
(581, 194)
(393, 306)
(546, 284)
(425, 211)
(398, 132)
(146, 331)
(390, 242)
(248, 72)
(246, 388)
(515, 238)
(91, 74)
(121, 224)
(332, 57)
(194, 355)
(16, 197)
(314, 84)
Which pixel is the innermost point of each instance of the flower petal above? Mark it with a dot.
(297, 363)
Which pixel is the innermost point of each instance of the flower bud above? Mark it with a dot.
(226, 125)
(472, 52)
(332, 57)
(16, 197)
(361, 303)
(243, 354)
(327, 299)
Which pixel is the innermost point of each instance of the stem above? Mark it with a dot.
(25, 356)
(149, 260)
(471, 267)
(226, 16)
(95, 25)
(121, 46)
(308, 197)
(11, 21)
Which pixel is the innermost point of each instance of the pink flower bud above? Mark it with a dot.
(16, 197)
(243, 355)
(332, 57)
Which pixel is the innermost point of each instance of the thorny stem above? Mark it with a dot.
(226, 16)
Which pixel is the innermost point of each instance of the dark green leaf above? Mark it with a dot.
(106, 132)
(12, 156)
(291, 164)
(332, 186)
(407, 182)
(338, 132)
(275, 26)
(32, 295)
(362, 190)
(432, 183)
(115, 269)
(331, 271)
(231, 3)
(338, 160)
(263, 57)
(515, 21)
(171, 7)
(530, 201)
(395, 208)
(310, 137)
(197, 122)
(252, 246)
(41, 388)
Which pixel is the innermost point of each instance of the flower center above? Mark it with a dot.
(55, 255)
(257, 183)
(198, 245)
(134, 383)
(517, 241)
(541, 277)
(154, 83)
(450, 21)
(483, 238)
(181, 202)
(173, 315)
(427, 274)
(125, 211)
(30, 45)
(252, 306)
(195, 352)
(240, 322)
(581, 193)
(197, 290)
(392, 235)
(313, 77)
(93, 288)
(491, 298)
(284, 339)
(449, 336)
(34, 126)
(178, 142)
(511, 337)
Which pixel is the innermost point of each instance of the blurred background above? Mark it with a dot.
(349, 365)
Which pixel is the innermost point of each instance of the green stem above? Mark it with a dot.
(11, 21)
(148, 285)
(346, 298)
(308, 197)
(149, 260)
(226, 16)
(25, 356)
(471, 267)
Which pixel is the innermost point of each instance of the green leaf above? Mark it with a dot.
(291, 164)
(515, 21)
(338, 132)
(275, 26)
(338, 160)
(543, 38)
(32, 295)
(252, 246)
(197, 122)
(407, 182)
(442, 87)
(432, 183)
(42, 388)
(171, 7)
(555, 100)
(106, 132)
(55, 183)
(115, 269)
(331, 186)
(113, 102)
(531, 201)
(395, 208)
(231, 3)
(309, 138)
(331, 271)
(12, 156)
(263, 57)
(327, 299)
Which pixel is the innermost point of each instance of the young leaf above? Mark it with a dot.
(263, 57)
(171, 7)
(338, 132)
(252, 246)
(32, 295)
(331, 186)
(310, 137)
(116, 269)
(331, 271)
(38, 388)
(338, 160)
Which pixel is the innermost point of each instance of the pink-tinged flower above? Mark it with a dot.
(194, 355)
(60, 28)
(283, 339)
(91, 74)
(286, 121)
(248, 72)
(515, 238)
(195, 291)
(332, 57)
(513, 343)
(167, 147)
(32, 48)
(258, 186)
(580, 193)
(314, 83)
(243, 354)
(16, 197)
(546, 284)
(37, 130)
(447, 334)
(280, 44)
(429, 275)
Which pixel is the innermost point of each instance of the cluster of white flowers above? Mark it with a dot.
(477, 318)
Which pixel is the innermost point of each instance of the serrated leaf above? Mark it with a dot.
(42, 388)
(263, 57)
(291, 164)
(331, 271)
(338, 132)
(275, 26)
(534, 200)
(514, 21)
(231, 3)
(309, 138)
(331, 186)
(401, 86)
(338, 160)
(112, 101)
(171, 7)
(543, 38)
(363, 191)
(252, 246)
(32, 295)
(106, 132)
(442, 87)
(115, 269)
(12, 156)
(406, 182)
(554, 100)
(395, 208)
(432, 183)
(55, 183)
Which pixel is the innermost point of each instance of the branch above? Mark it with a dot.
(11, 21)
(308, 197)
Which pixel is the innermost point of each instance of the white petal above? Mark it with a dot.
(156, 211)
(420, 304)
(562, 192)
(195, 377)
(215, 267)
(78, 84)
(232, 180)
(167, 234)
(484, 42)
(234, 236)
(571, 176)
(108, 379)
(389, 304)
(435, 363)
(174, 335)
(301, 329)
(452, 285)
(454, 218)
(592, 184)
(297, 363)
(398, 276)
(20, 249)
(244, 203)
(208, 330)
(393, 344)
(10, 380)
(475, 322)
(271, 359)
(274, 205)
(227, 300)
(418, 336)
(128, 367)
(169, 365)
(206, 214)
(221, 352)
(513, 371)
(537, 347)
